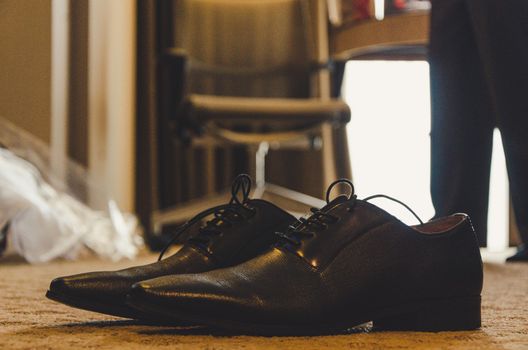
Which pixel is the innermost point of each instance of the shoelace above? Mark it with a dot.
(225, 214)
(319, 220)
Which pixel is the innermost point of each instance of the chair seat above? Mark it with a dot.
(250, 110)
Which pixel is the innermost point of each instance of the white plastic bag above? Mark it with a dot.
(45, 223)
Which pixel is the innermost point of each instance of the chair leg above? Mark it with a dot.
(260, 169)
(328, 154)
(295, 196)
(263, 187)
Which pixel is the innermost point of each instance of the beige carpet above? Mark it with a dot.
(29, 321)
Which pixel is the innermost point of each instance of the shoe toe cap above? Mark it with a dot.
(99, 285)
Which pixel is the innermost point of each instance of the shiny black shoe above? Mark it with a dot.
(349, 263)
(520, 256)
(239, 231)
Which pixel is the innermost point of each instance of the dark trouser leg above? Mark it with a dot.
(517, 162)
(501, 29)
(462, 118)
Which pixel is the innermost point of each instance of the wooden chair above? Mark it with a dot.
(249, 68)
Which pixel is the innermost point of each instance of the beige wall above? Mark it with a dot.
(25, 59)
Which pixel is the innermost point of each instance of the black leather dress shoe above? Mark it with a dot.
(239, 231)
(349, 263)
(521, 255)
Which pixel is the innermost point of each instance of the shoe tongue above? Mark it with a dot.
(335, 202)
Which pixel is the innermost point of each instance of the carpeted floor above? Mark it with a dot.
(29, 321)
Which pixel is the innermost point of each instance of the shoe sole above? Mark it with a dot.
(453, 314)
(112, 310)
(102, 308)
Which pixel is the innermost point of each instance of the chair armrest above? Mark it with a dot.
(200, 109)
(175, 54)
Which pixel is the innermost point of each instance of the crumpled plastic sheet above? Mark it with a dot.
(46, 218)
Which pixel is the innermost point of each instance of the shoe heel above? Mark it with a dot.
(455, 314)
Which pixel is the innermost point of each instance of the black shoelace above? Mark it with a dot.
(225, 215)
(319, 220)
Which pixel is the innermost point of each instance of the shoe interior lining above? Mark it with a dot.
(440, 225)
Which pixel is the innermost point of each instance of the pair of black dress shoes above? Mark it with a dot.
(253, 268)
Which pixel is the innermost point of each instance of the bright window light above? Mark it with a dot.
(389, 132)
(390, 146)
(498, 209)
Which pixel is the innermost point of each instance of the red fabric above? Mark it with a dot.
(363, 8)
(399, 4)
